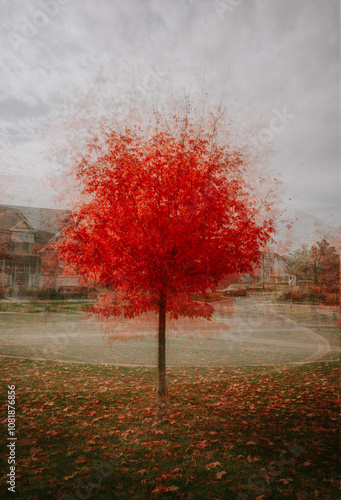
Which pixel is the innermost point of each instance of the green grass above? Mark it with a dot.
(99, 429)
(45, 306)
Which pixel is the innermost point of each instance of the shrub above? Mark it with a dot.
(328, 295)
(31, 291)
(47, 294)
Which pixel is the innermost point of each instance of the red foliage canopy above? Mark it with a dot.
(162, 215)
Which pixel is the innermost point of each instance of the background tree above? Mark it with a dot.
(164, 213)
(319, 266)
(298, 264)
(324, 263)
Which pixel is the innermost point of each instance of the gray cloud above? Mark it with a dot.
(267, 55)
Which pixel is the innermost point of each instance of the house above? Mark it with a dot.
(26, 235)
(54, 273)
(272, 269)
(23, 232)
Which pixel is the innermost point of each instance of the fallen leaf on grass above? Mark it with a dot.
(284, 481)
(220, 474)
(38, 471)
(173, 488)
(212, 465)
(203, 444)
(80, 461)
(164, 489)
(164, 477)
(66, 478)
(142, 471)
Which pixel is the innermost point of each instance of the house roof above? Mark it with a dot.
(45, 220)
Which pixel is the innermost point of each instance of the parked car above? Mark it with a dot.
(235, 291)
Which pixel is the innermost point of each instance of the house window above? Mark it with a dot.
(25, 246)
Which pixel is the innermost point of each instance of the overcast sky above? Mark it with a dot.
(279, 57)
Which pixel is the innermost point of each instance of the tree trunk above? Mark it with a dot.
(161, 387)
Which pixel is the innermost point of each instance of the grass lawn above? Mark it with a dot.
(45, 306)
(94, 431)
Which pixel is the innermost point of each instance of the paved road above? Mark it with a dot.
(242, 332)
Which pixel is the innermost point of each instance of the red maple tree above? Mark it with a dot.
(163, 217)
